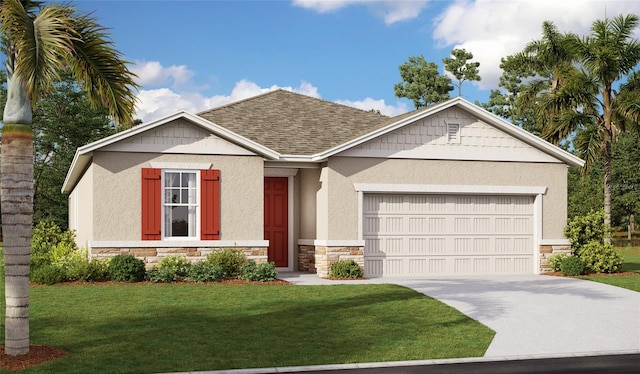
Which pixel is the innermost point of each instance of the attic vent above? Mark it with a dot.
(453, 133)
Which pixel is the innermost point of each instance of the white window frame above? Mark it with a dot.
(197, 205)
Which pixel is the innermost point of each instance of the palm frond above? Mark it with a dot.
(38, 43)
(101, 70)
(588, 143)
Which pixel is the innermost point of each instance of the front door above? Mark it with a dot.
(276, 223)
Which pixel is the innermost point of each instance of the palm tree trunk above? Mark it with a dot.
(606, 147)
(17, 220)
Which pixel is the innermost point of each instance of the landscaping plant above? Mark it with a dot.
(263, 272)
(126, 268)
(572, 266)
(230, 261)
(587, 237)
(346, 269)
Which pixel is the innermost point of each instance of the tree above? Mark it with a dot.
(40, 42)
(586, 104)
(62, 122)
(460, 68)
(422, 83)
(504, 102)
(625, 175)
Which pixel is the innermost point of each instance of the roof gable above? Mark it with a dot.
(543, 148)
(435, 137)
(178, 136)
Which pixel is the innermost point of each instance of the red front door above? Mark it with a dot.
(276, 223)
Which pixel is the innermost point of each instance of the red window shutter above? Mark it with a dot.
(210, 204)
(151, 204)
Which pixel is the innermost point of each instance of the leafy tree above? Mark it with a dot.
(586, 104)
(625, 175)
(422, 83)
(584, 190)
(504, 102)
(460, 68)
(40, 41)
(62, 121)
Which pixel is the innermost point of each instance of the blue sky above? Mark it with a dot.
(196, 55)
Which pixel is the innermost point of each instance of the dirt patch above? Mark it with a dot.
(38, 354)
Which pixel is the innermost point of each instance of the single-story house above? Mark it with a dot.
(448, 189)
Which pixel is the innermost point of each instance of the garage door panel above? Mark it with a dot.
(430, 235)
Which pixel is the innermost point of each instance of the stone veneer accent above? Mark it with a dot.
(547, 251)
(152, 256)
(324, 257)
(307, 258)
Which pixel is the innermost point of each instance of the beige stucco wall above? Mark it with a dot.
(341, 221)
(309, 180)
(81, 209)
(117, 193)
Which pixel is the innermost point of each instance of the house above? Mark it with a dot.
(448, 189)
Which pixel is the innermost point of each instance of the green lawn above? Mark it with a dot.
(143, 328)
(631, 263)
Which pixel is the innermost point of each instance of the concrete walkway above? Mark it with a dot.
(533, 315)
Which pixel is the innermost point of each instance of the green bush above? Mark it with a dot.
(170, 269)
(48, 240)
(126, 268)
(97, 271)
(572, 266)
(205, 271)
(582, 229)
(229, 260)
(346, 269)
(263, 272)
(556, 260)
(600, 258)
(48, 274)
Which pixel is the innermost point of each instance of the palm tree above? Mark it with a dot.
(41, 41)
(587, 104)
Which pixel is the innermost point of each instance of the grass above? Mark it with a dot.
(144, 328)
(631, 264)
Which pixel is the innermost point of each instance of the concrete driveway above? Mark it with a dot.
(533, 315)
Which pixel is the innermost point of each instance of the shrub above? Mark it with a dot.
(346, 269)
(582, 229)
(556, 260)
(97, 271)
(229, 260)
(204, 271)
(126, 268)
(48, 240)
(170, 269)
(74, 263)
(258, 272)
(48, 274)
(572, 266)
(600, 258)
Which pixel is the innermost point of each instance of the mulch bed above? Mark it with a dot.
(37, 355)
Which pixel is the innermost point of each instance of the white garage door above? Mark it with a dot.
(414, 235)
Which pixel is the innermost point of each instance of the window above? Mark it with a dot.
(180, 204)
(453, 133)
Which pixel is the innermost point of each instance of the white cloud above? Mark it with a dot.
(494, 29)
(390, 11)
(369, 103)
(157, 103)
(152, 73)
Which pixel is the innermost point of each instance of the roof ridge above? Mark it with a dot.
(283, 90)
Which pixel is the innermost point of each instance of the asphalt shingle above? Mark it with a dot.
(295, 124)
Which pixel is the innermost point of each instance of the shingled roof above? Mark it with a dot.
(294, 124)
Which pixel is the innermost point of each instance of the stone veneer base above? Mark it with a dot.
(152, 256)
